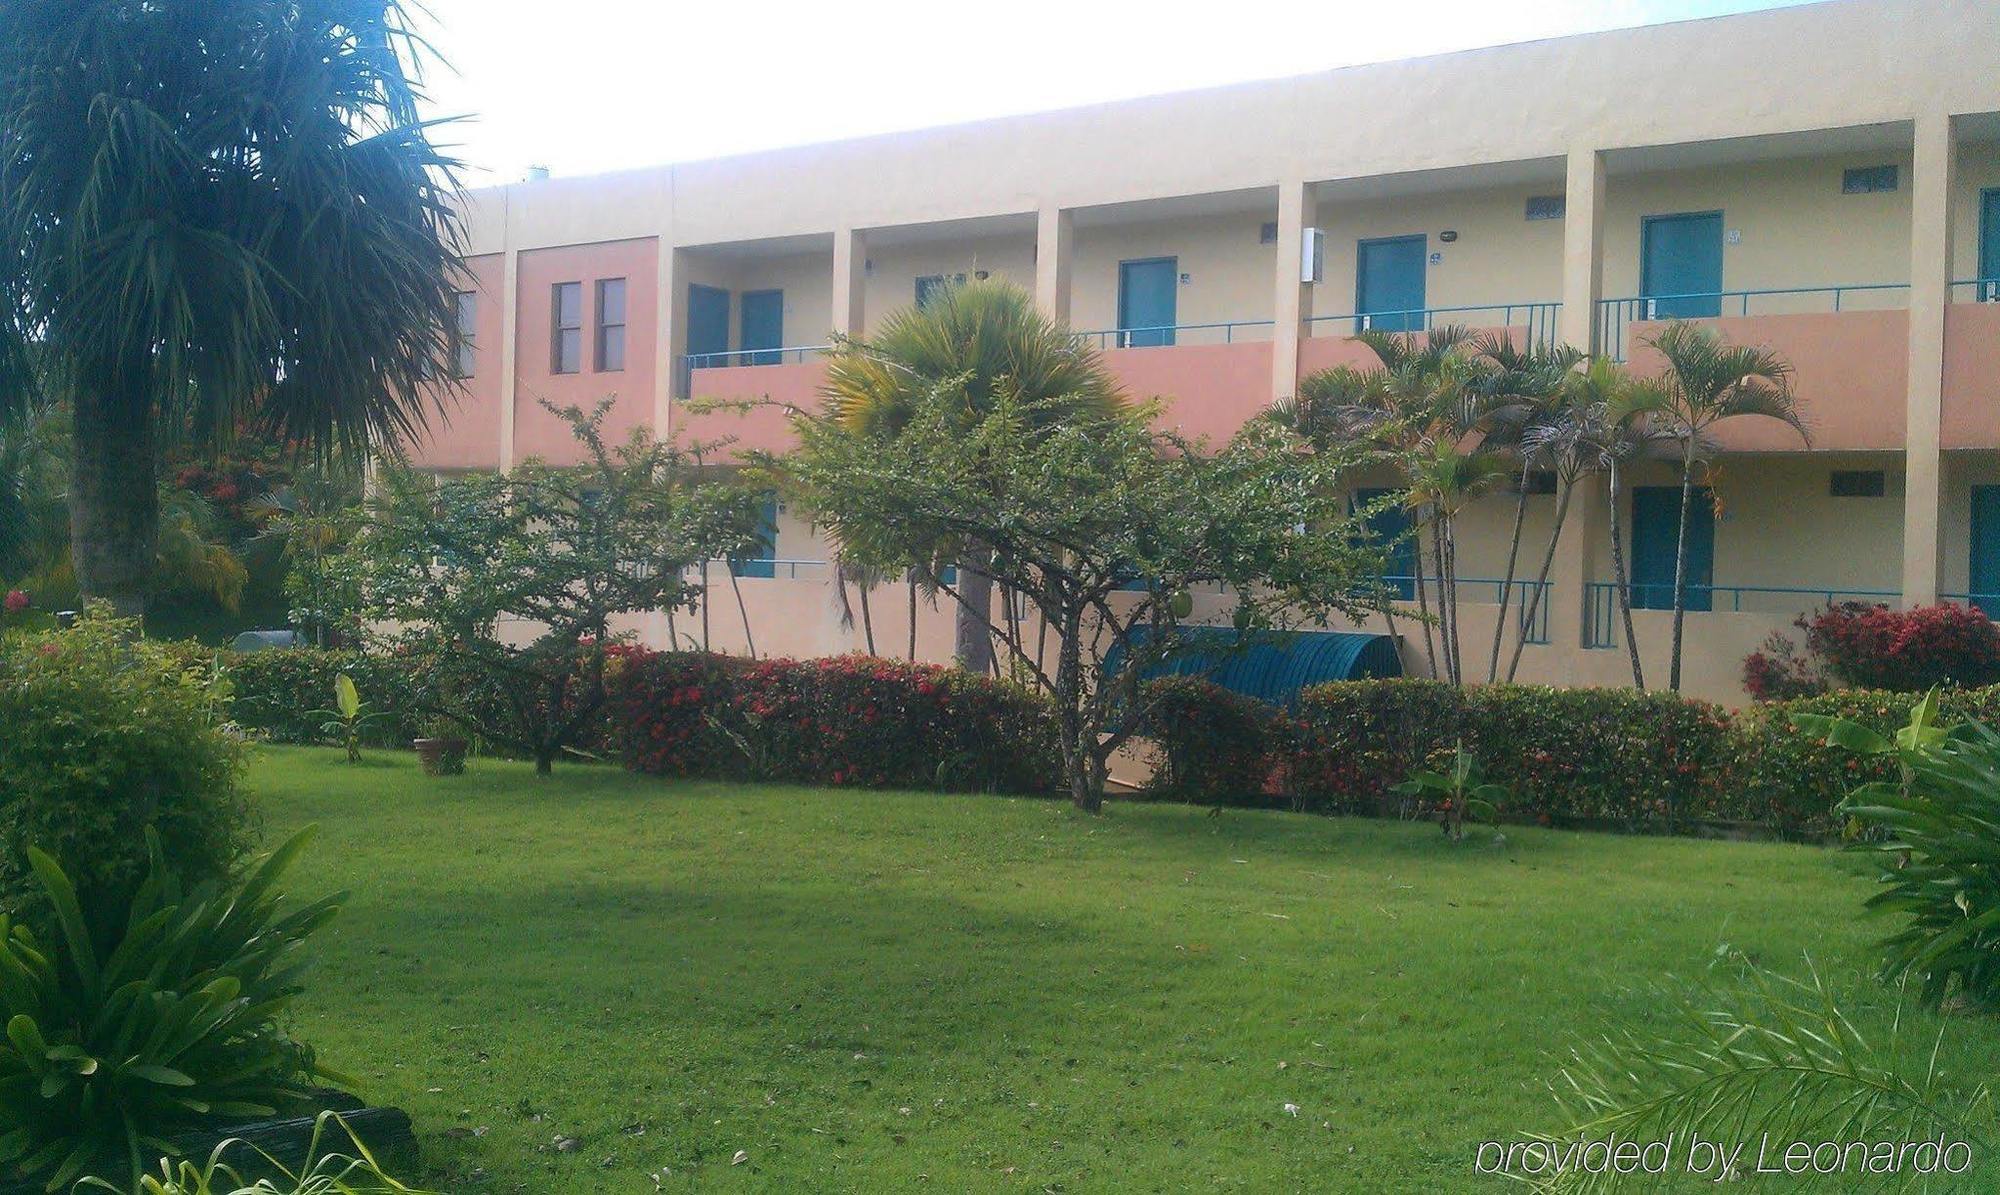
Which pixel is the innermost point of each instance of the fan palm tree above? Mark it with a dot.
(976, 337)
(1707, 381)
(213, 215)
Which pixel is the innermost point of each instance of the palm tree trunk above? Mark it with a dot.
(1447, 613)
(974, 638)
(1619, 584)
(704, 606)
(1507, 586)
(913, 617)
(1423, 602)
(743, 611)
(867, 618)
(1680, 570)
(114, 501)
(1450, 573)
(1533, 602)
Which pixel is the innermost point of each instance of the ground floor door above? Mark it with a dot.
(1389, 284)
(1680, 273)
(1389, 528)
(1148, 301)
(760, 560)
(763, 324)
(1656, 519)
(1983, 573)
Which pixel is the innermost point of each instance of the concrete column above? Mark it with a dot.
(1055, 244)
(1583, 249)
(510, 340)
(1583, 545)
(1292, 299)
(1930, 292)
(672, 384)
(850, 282)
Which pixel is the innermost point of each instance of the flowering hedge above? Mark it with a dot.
(1216, 747)
(1638, 760)
(845, 720)
(1868, 646)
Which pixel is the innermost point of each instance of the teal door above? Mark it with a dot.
(1989, 245)
(760, 561)
(1389, 284)
(1680, 273)
(1148, 301)
(1391, 526)
(1984, 573)
(1656, 528)
(708, 326)
(763, 322)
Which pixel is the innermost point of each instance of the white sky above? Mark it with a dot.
(589, 85)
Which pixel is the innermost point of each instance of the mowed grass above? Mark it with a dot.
(578, 984)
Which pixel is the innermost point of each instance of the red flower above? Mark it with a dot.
(16, 601)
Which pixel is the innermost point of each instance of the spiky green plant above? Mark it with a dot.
(330, 1173)
(125, 1033)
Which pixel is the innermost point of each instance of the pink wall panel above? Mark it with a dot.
(465, 434)
(538, 433)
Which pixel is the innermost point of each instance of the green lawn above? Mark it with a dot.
(873, 990)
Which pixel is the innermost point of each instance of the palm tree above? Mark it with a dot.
(216, 214)
(975, 335)
(1526, 384)
(1707, 381)
(1622, 431)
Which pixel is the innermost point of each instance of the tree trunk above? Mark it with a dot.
(867, 618)
(1507, 585)
(974, 638)
(1680, 573)
(1532, 604)
(913, 618)
(545, 761)
(1619, 585)
(1444, 599)
(1423, 602)
(742, 611)
(114, 502)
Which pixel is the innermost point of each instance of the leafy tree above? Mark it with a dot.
(213, 214)
(1100, 525)
(1707, 381)
(982, 337)
(504, 588)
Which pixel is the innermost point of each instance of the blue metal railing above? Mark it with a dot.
(1539, 319)
(767, 567)
(1976, 290)
(1404, 589)
(788, 355)
(1613, 315)
(1166, 335)
(1988, 602)
(1600, 606)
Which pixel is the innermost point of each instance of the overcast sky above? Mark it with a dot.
(589, 85)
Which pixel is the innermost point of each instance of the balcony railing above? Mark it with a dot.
(1613, 315)
(1988, 602)
(1487, 590)
(790, 570)
(1600, 606)
(1976, 290)
(1538, 319)
(788, 355)
(1166, 335)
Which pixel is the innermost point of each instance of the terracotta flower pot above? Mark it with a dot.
(441, 757)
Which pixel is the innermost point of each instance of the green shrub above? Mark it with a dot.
(102, 737)
(127, 1031)
(845, 720)
(1640, 760)
(284, 694)
(1218, 747)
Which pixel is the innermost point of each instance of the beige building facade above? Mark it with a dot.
(1824, 180)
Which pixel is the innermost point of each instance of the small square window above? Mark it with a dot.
(566, 332)
(1865, 180)
(1857, 483)
(1268, 234)
(1547, 207)
(1539, 481)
